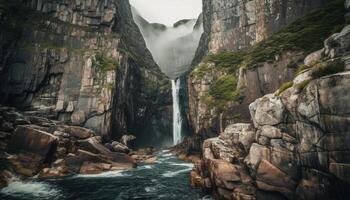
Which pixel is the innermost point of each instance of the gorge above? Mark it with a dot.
(247, 100)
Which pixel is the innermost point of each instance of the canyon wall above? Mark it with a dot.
(84, 63)
(297, 145)
(234, 25)
(236, 42)
(276, 114)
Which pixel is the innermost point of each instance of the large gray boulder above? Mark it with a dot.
(268, 110)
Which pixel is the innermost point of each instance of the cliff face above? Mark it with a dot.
(251, 48)
(297, 146)
(84, 63)
(241, 24)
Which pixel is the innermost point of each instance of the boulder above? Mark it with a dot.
(87, 162)
(196, 180)
(75, 131)
(270, 132)
(302, 77)
(151, 160)
(268, 110)
(53, 172)
(222, 150)
(338, 44)
(94, 168)
(225, 174)
(256, 154)
(61, 134)
(239, 133)
(127, 140)
(271, 178)
(119, 147)
(314, 57)
(27, 139)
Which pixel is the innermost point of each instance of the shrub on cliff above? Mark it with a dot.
(306, 34)
(327, 68)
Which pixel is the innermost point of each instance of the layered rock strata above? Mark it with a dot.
(84, 63)
(261, 67)
(297, 144)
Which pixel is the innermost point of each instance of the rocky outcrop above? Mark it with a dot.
(84, 63)
(50, 149)
(223, 85)
(297, 144)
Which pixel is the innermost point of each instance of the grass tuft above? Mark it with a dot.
(327, 68)
(284, 87)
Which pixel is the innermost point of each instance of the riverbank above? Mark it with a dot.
(31, 144)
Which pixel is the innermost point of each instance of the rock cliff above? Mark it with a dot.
(296, 146)
(250, 52)
(234, 25)
(84, 63)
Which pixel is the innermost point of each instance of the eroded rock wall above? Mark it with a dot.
(239, 26)
(234, 25)
(82, 62)
(297, 144)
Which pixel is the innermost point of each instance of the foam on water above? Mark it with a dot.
(145, 167)
(167, 155)
(33, 189)
(190, 165)
(150, 189)
(108, 174)
(172, 174)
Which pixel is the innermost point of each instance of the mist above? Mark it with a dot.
(173, 47)
(167, 11)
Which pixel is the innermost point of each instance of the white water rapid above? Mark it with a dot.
(177, 120)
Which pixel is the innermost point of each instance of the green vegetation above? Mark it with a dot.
(302, 68)
(305, 34)
(327, 68)
(222, 91)
(200, 71)
(223, 88)
(302, 85)
(230, 60)
(104, 63)
(284, 86)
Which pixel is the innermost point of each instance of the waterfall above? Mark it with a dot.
(177, 121)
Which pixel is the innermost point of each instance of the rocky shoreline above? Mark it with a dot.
(33, 145)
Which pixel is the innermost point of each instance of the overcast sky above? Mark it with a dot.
(168, 11)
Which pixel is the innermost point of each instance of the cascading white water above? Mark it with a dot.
(177, 120)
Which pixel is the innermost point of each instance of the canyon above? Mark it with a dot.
(255, 93)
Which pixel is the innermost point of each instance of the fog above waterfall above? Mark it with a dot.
(167, 11)
(173, 47)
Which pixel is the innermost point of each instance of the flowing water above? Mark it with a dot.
(177, 121)
(167, 179)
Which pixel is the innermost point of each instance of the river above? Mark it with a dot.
(167, 179)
